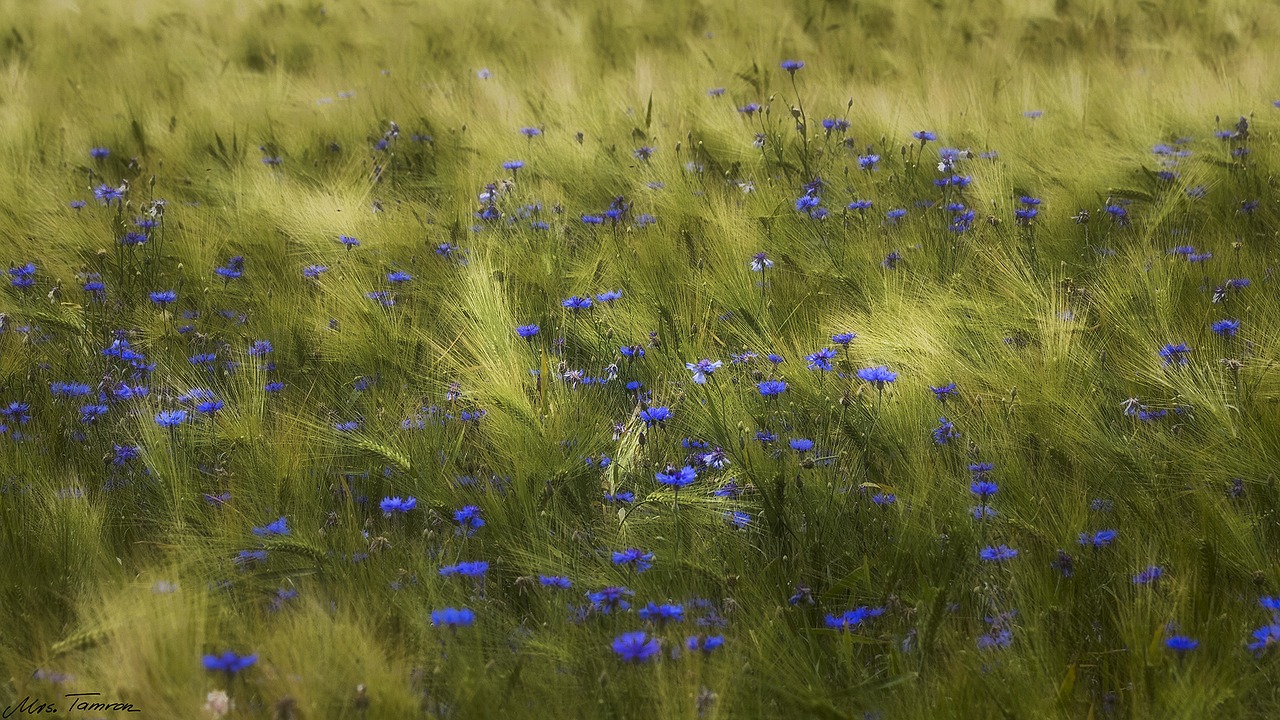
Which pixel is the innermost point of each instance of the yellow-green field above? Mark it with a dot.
(382, 359)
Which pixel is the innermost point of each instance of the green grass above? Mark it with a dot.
(122, 575)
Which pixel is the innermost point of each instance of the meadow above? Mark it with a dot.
(851, 359)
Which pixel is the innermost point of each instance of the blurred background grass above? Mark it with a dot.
(121, 575)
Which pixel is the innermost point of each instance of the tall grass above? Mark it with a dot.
(270, 130)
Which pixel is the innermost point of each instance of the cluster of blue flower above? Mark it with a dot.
(702, 473)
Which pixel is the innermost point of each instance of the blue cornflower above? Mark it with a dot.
(107, 194)
(655, 415)
(943, 392)
(791, 66)
(760, 262)
(163, 297)
(90, 413)
(397, 504)
(944, 432)
(348, 241)
(455, 617)
(99, 153)
(63, 389)
(276, 527)
(866, 162)
(635, 646)
(924, 136)
(860, 205)
(233, 270)
(1181, 643)
(894, 215)
(171, 418)
(878, 375)
(1119, 214)
(852, 618)
(93, 284)
(807, 202)
(1265, 637)
(313, 271)
(1102, 538)
(711, 642)
(769, 388)
(577, 303)
(737, 518)
(998, 635)
(249, 557)
(883, 499)
(622, 497)
(229, 662)
(398, 276)
(209, 407)
(1226, 328)
(609, 296)
(1148, 576)
(385, 298)
(527, 331)
(469, 517)
(983, 488)
(998, 553)
(821, 360)
(677, 478)
(730, 490)
(1064, 563)
(640, 559)
(556, 581)
(843, 338)
(609, 599)
(530, 132)
(803, 594)
(662, 613)
(801, 444)
(702, 369)
(467, 569)
(513, 165)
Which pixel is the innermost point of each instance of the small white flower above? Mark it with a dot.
(218, 704)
